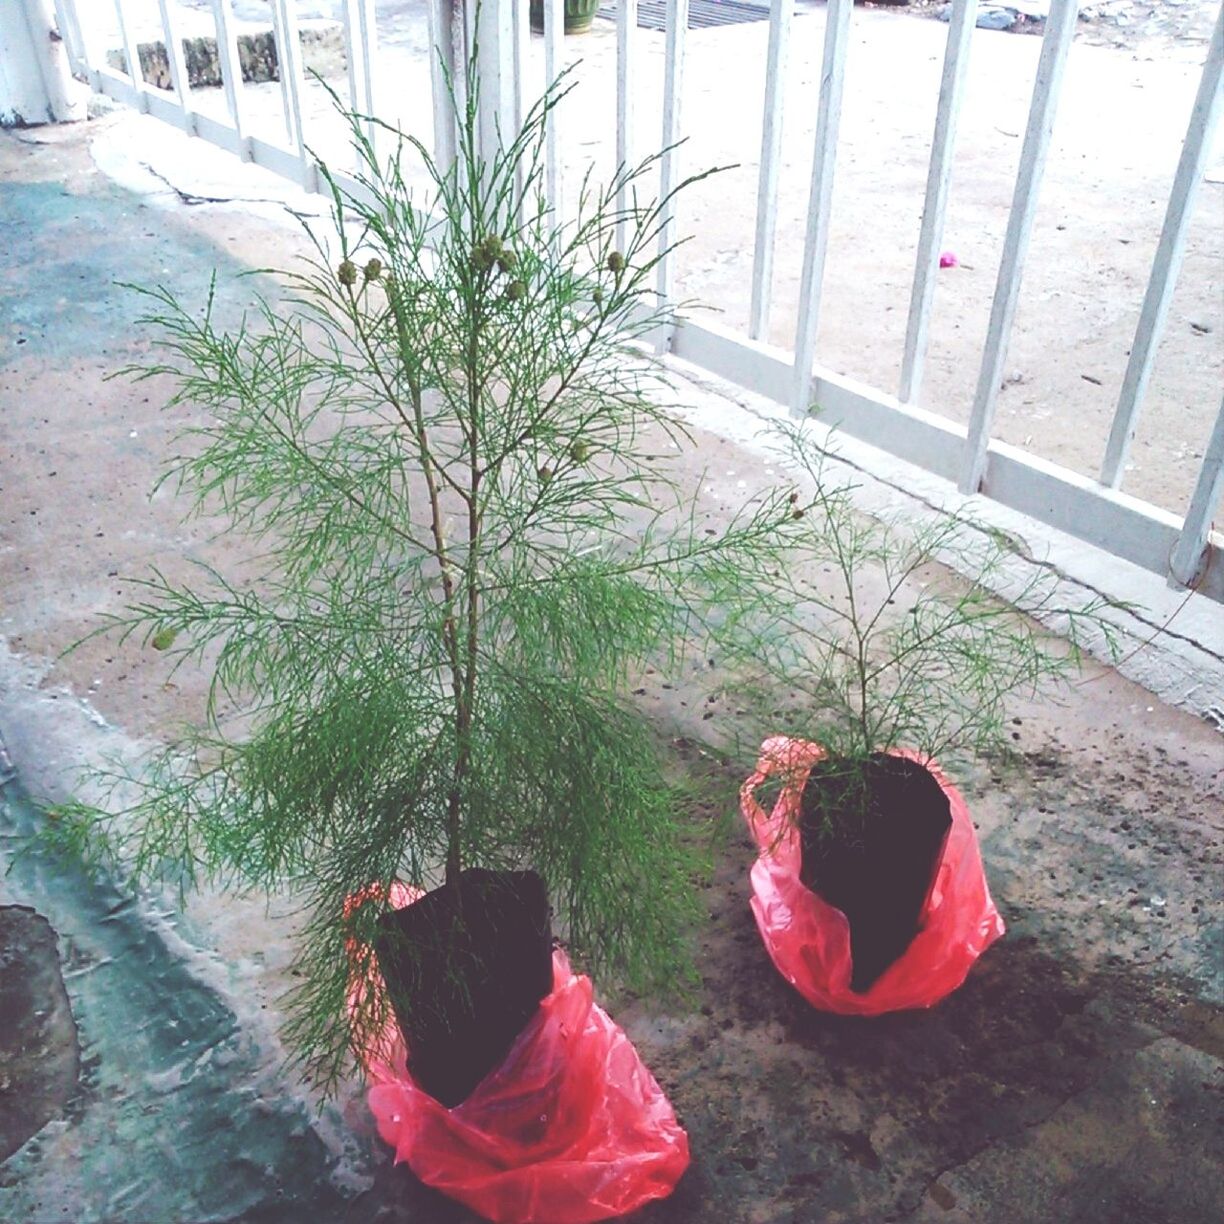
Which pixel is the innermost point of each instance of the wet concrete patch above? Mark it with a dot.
(69, 254)
(179, 1116)
(39, 1057)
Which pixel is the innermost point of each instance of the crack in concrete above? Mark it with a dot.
(191, 200)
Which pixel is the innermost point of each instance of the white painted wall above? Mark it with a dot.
(36, 85)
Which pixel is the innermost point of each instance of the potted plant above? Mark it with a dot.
(579, 15)
(869, 890)
(444, 439)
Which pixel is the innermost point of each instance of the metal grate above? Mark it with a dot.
(652, 14)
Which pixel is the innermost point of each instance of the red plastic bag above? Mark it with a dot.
(809, 940)
(570, 1128)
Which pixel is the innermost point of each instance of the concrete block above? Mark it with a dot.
(323, 51)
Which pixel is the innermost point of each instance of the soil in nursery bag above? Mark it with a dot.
(465, 974)
(871, 844)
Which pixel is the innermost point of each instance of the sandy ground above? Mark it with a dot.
(1075, 1077)
(1127, 98)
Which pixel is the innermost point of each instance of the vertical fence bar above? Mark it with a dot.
(780, 13)
(469, 24)
(360, 43)
(1170, 251)
(368, 16)
(824, 157)
(442, 29)
(74, 41)
(289, 62)
(1189, 554)
(177, 63)
(495, 65)
(521, 22)
(1060, 30)
(465, 20)
(626, 51)
(231, 72)
(31, 31)
(520, 34)
(284, 18)
(554, 32)
(669, 174)
(939, 176)
(354, 54)
(132, 55)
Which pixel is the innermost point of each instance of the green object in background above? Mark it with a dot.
(579, 14)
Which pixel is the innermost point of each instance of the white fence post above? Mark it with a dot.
(231, 73)
(1168, 260)
(520, 49)
(445, 30)
(495, 65)
(939, 177)
(74, 41)
(177, 64)
(289, 66)
(1189, 559)
(361, 43)
(35, 82)
(771, 152)
(1060, 30)
(820, 199)
(669, 174)
(626, 77)
(131, 53)
(554, 188)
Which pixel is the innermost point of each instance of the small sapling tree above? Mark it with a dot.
(894, 663)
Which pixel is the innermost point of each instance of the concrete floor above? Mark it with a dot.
(1076, 1076)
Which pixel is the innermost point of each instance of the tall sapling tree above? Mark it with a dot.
(446, 440)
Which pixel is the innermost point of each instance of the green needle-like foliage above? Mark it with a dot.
(448, 447)
(881, 644)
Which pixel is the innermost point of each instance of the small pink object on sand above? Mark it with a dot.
(948, 260)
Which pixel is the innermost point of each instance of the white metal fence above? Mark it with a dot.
(1096, 510)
